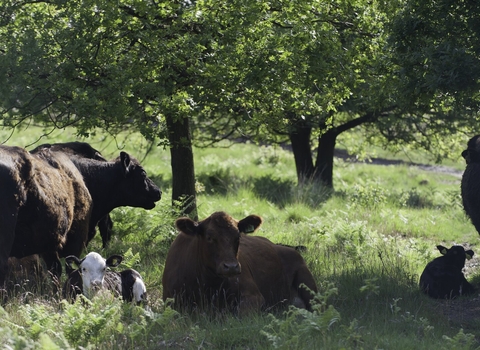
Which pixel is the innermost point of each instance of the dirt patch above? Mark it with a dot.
(342, 154)
(463, 312)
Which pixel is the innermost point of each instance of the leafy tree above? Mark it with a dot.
(308, 69)
(435, 47)
(96, 64)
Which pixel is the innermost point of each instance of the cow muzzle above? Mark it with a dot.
(229, 269)
(96, 285)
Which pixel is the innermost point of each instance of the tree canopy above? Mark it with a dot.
(302, 71)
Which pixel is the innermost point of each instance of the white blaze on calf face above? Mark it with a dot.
(93, 269)
(139, 290)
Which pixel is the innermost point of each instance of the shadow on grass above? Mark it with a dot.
(285, 192)
(280, 192)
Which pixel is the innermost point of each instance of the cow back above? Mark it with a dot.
(262, 271)
(278, 272)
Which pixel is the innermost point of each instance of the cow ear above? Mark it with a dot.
(187, 226)
(469, 254)
(114, 260)
(442, 249)
(73, 262)
(249, 224)
(125, 159)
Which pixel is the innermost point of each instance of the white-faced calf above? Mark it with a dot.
(443, 276)
(90, 274)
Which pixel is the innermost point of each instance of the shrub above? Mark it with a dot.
(368, 196)
(301, 329)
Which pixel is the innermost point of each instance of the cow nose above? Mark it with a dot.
(232, 268)
(96, 284)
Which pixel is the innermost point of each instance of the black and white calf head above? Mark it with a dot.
(92, 268)
(92, 274)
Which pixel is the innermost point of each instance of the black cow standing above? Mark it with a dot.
(112, 184)
(470, 186)
(443, 277)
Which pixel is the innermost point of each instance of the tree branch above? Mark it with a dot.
(369, 117)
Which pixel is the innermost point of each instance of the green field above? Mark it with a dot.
(367, 244)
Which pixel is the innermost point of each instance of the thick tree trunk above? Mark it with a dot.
(183, 170)
(302, 153)
(322, 171)
(324, 161)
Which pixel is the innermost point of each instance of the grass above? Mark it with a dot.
(367, 244)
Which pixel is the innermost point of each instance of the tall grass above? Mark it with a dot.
(367, 243)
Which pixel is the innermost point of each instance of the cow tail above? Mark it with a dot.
(305, 285)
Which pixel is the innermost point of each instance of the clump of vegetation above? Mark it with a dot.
(301, 329)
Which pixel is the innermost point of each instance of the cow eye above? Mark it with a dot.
(209, 238)
(84, 269)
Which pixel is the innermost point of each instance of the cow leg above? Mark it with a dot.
(53, 263)
(251, 300)
(3, 271)
(105, 225)
(8, 221)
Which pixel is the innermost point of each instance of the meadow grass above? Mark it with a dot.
(367, 243)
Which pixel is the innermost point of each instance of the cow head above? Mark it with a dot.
(472, 153)
(219, 238)
(456, 255)
(92, 268)
(138, 189)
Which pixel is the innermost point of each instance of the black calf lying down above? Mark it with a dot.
(92, 274)
(443, 277)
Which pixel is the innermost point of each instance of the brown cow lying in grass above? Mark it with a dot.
(215, 264)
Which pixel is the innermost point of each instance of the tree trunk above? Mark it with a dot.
(324, 162)
(302, 153)
(322, 172)
(183, 170)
